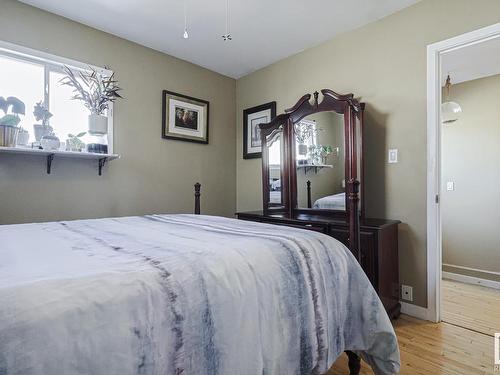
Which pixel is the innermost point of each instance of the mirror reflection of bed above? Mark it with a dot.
(321, 161)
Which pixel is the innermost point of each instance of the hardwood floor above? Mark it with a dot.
(471, 306)
(430, 349)
(448, 348)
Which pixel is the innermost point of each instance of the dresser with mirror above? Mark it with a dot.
(313, 178)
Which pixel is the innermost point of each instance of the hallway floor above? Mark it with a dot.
(471, 306)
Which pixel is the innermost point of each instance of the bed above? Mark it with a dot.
(183, 294)
(331, 202)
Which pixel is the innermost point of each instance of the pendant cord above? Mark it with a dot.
(227, 36)
(448, 85)
(227, 16)
(185, 14)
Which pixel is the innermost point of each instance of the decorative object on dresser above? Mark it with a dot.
(331, 200)
(9, 128)
(184, 118)
(252, 118)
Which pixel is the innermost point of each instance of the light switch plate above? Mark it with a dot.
(450, 186)
(393, 155)
(407, 293)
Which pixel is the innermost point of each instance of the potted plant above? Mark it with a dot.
(96, 92)
(42, 114)
(74, 143)
(9, 122)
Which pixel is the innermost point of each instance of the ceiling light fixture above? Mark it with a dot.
(227, 36)
(449, 109)
(185, 35)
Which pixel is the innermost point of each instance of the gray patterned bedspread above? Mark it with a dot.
(183, 294)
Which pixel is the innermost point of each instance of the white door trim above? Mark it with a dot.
(434, 250)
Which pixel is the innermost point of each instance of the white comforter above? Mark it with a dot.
(331, 202)
(183, 294)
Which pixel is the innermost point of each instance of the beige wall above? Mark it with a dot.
(384, 63)
(153, 175)
(471, 159)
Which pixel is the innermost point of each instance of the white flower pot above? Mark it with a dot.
(98, 124)
(41, 131)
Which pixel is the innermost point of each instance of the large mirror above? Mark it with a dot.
(320, 161)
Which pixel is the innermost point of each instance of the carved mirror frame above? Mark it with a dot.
(353, 111)
(270, 131)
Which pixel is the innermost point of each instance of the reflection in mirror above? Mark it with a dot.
(320, 158)
(275, 163)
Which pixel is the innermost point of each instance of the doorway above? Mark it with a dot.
(463, 269)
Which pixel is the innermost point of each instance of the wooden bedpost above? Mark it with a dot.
(197, 188)
(354, 239)
(309, 201)
(354, 363)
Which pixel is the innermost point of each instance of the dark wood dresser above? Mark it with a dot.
(378, 247)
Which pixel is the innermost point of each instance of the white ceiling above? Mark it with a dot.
(472, 62)
(264, 31)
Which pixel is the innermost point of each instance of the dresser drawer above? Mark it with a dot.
(340, 234)
(309, 226)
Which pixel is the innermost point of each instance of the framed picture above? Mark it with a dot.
(184, 118)
(252, 118)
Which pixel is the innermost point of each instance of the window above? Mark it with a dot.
(307, 135)
(33, 77)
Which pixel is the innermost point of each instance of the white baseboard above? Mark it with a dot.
(418, 312)
(471, 280)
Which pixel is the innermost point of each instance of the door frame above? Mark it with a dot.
(434, 228)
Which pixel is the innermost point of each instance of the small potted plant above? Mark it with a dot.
(42, 114)
(9, 128)
(325, 151)
(74, 143)
(96, 92)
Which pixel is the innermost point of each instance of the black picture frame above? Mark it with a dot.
(166, 129)
(271, 106)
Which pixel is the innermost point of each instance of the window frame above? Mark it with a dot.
(54, 63)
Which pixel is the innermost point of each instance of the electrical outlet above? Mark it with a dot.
(407, 293)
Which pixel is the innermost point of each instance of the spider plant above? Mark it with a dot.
(92, 88)
(17, 108)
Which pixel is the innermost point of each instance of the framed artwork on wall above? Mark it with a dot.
(252, 118)
(184, 118)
